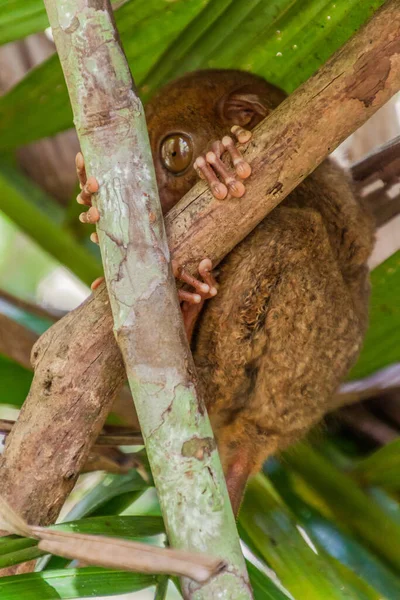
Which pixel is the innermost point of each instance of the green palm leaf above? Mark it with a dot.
(285, 41)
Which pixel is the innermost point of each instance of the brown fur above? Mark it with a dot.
(289, 319)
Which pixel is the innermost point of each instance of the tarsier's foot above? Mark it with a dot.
(192, 302)
(89, 186)
(210, 166)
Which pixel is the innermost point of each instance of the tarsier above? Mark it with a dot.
(292, 305)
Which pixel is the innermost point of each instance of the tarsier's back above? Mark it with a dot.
(291, 312)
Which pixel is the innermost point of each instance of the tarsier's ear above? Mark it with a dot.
(242, 107)
(249, 104)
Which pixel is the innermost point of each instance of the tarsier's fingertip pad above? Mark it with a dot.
(79, 161)
(205, 266)
(219, 191)
(189, 297)
(243, 169)
(242, 135)
(237, 189)
(96, 283)
(94, 238)
(204, 287)
(199, 162)
(227, 141)
(92, 185)
(91, 216)
(211, 157)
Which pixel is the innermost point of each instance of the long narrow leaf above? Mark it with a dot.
(72, 583)
(14, 549)
(330, 536)
(20, 18)
(282, 40)
(263, 587)
(348, 502)
(273, 533)
(111, 487)
(382, 467)
(17, 206)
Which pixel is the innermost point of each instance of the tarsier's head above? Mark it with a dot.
(195, 110)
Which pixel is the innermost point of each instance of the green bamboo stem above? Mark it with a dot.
(148, 327)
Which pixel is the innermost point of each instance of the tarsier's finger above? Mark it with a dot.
(80, 168)
(242, 167)
(189, 297)
(219, 190)
(218, 148)
(199, 173)
(205, 268)
(242, 135)
(94, 237)
(96, 283)
(236, 188)
(182, 275)
(91, 187)
(91, 216)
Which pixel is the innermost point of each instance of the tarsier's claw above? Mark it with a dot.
(210, 167)
(96, 283)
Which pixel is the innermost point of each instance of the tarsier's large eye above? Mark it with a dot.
(177, 152)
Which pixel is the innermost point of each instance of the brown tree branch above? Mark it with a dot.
(78, 369)
(383, 163)
(383, 208)
(16, 341)
(64, 411)
(34, 309)
(110, 436)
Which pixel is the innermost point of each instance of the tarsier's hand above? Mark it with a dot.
(191, 302)
(210, 165)
(89, 186)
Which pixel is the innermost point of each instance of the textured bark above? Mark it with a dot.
(287, 146)
(148, 325)
(64, 412)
